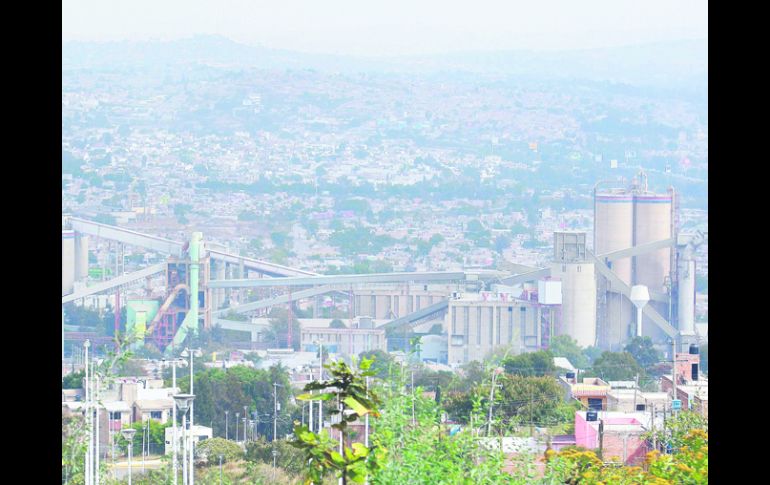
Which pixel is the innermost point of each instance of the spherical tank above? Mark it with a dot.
(652, 222)
(578, 301)
(614, 228)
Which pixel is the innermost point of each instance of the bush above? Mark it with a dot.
(210, 449)
(289, 458)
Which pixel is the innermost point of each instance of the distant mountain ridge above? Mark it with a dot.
(669, 64)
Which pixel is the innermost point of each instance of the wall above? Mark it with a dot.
(476, 327)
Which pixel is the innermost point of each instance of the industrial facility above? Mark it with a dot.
(639, 279)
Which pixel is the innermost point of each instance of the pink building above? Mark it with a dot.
(622, 435)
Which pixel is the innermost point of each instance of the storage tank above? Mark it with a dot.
(67, 262)
(81, 257)
(652, 222)
(578, 300)
(614, 227)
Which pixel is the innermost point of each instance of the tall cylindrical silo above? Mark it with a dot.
(67, 262)
(578, 300)
(81, 257)
(652, 222)
(614, 228)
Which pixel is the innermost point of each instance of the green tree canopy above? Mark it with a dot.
(643, 352)
(567, 347)
(538, 363)
(73, 380)
(616, 366)
(213, 448)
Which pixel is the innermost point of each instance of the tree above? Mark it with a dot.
(337, 323)
(382, 362)
(592, 353)
(289, 457)
(617, 366)
(538, 401)
(567, 347)
(210, 450)
(131, 368)
(643, 352)
(157, 436)
(704, 358)
(73, 380)
(530, 364)
(354, 401)
(278, 332)
(218, 390)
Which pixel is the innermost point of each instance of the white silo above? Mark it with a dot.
(67, 262)
(81, 256)
(652, 222)
(614, 227)
(613, 231)
(578, 287)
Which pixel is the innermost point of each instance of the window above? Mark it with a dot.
(595, 403)
(478, 326)
(116, 415)
(640, 407)
(156, 415)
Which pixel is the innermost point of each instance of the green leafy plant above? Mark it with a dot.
(358, 461)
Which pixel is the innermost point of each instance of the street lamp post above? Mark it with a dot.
(275, 423)
(220, 469)
(96, 440)
(226, 414)
(175, 437)
(320, 378)
(245, 420)
(128, 434)
(183, 402)
(86, 345)
(237, 415)
(192, 353)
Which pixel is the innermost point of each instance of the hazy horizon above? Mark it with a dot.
(342, 27)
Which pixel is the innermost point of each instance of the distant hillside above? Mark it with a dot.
(670, 65)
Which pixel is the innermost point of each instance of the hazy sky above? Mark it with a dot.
(388, 27)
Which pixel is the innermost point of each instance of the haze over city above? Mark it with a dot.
(503, 204)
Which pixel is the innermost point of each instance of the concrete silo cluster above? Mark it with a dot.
(624, 217)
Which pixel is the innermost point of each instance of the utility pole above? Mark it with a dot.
(673, 367)
(601, 439)
(531, 424)
(652, 425)
(275, 413)
(635, 389)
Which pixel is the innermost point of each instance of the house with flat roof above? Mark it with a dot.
(592, 391)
